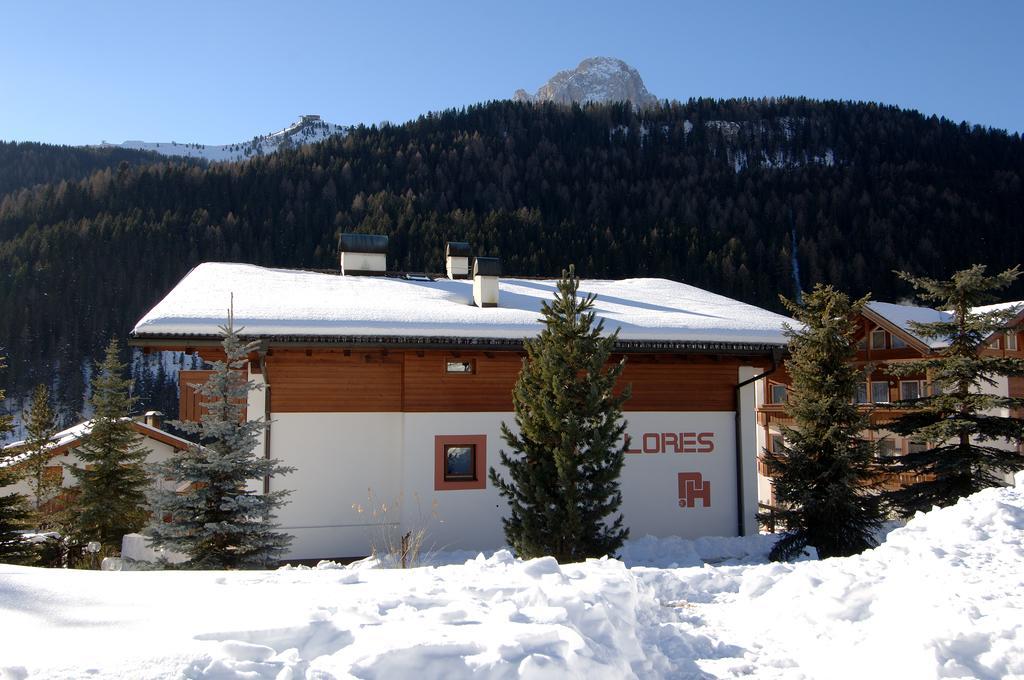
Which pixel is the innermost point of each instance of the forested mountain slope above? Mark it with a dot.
(713, 193)
(25, 164)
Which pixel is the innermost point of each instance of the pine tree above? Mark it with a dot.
(959, 421)
(40, 426)
(566, 460)
(112, 480)
(14, 511)
(220, 522)
(823, 475)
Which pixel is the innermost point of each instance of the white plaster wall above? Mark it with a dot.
(339, 458)
(749, 434)
(650, 489)
(464, 519)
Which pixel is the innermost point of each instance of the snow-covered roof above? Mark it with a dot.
(902, 315)
(999, 307)
(279, 302)
(77, 432)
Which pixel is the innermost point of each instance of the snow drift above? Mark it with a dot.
(940, 598)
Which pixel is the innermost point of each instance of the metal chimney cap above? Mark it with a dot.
(363, 243)
(457, 249)
(486, 266)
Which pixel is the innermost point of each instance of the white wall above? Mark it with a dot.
(464, 519)
(339, 456)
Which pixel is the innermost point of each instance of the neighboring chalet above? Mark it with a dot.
(886, 337)
(396, 386)
(159, 444)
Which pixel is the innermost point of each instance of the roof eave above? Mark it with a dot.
(185, 342)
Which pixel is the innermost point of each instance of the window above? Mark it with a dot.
(994, 343)
(861, 395)
(886, 448)
(778, 444)
(460, 462)
(911, 389)
(880, 392)
(1011, 340)
(460, 366)
(878, 339)
(779, 394)
(897, 342)
(862, 343)
(934, 388)
(916, 447)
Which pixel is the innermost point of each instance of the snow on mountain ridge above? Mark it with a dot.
(307, 129)
(597, 79)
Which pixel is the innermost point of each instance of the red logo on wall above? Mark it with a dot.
(672, 442)
(692, 488)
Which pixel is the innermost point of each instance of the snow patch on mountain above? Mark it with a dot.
(306, 130)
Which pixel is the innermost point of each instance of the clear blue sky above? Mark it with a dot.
(219, 72)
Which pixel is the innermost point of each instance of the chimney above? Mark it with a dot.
(154, 419)
(456, 256)
(363, 254)
(486, 271)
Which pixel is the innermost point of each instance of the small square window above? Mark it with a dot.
(880, 392)
(910, 389)
(994, 343)
(459, 463)
(898, 342)
(460, 367)
(1011, 340)
(862, 343)
(778, 443)
(861, 395)
(886, 448)
(878, 339)
(916, 447)
(779, 395)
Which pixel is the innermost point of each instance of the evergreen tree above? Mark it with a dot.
(958, 421)
(567, 457)
(220, 521)
(14, 510)
(823, 474)
(112, 480)
(40, 426)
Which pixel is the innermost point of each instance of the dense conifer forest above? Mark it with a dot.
(711, 192)
(25, 164)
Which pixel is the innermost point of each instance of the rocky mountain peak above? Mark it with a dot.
(597, 79)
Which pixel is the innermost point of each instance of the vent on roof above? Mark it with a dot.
(456, 255)
(486, 271)
(364, 254)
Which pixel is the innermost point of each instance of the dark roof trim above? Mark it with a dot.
(457, 249)
(363, 243)
(423, 342)
(486, 266)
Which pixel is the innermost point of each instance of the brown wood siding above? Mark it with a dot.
(189, 400)
(331, 382)
(1016, 386)
(429, 388)
(190, 403)
(680, 386)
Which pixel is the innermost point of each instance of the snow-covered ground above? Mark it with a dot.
(942, 597)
